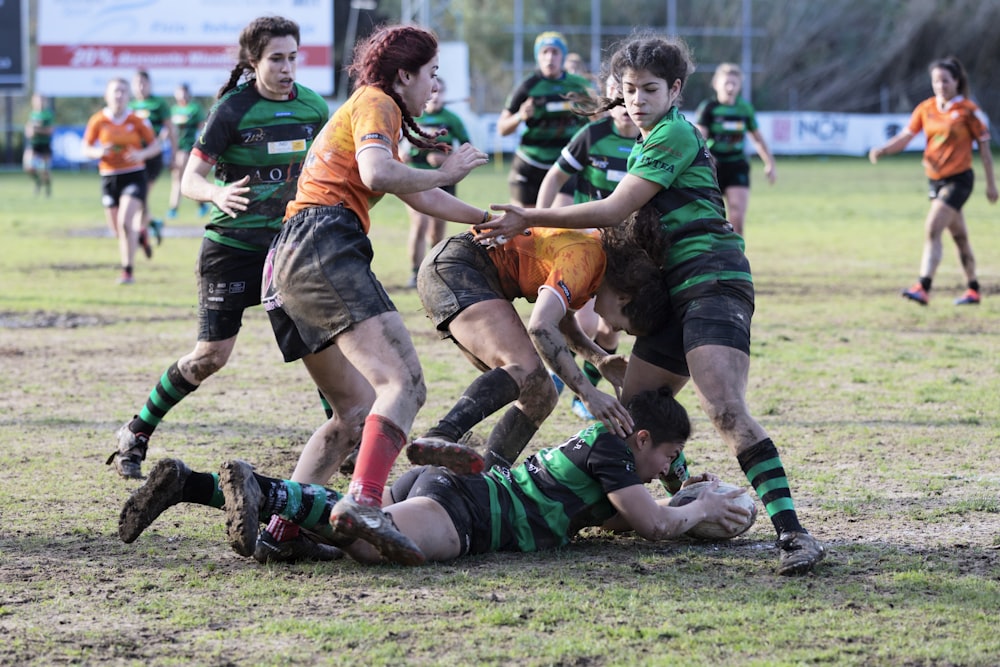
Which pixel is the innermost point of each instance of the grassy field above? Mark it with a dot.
(887, 416)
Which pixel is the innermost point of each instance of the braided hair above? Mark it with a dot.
(377, 62)
(254, 38)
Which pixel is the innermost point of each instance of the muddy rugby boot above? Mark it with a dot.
(297, 549)
(369, 523)
(164, 488)
(130, 454)
(800, 552)
(243, 503)
(460, 459)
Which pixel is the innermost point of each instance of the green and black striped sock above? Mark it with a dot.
(763, 468)
(168, 392)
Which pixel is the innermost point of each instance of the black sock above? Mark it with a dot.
(202, 488)
(168, 392)
(925, 282)
(763, 468)
(509, 438)
(488, 393)
(974, 285)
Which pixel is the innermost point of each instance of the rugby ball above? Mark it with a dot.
(710, 530)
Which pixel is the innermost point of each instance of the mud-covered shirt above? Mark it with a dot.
(449, 125)
(187, 118)
(553, 123)
(727, 127)
(599, 156)
(267, 140)
(368, 120)
(130, 133)
(950, 134)
(702, 248)
(568, 262)
(543, 502)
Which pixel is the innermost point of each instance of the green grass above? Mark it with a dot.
(886, 414)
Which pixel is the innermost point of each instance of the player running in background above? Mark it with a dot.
(952, 123)
(726, 121)
(156, 110)
(122, 142)
(38, 154)
(187, 116)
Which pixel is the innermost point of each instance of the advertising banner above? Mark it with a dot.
(84, 43)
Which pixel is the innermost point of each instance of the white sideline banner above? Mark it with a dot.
(82, 44)
(817, 133)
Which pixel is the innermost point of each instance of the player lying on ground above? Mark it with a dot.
(595, 478)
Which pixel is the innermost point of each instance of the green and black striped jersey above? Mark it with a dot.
(554, 122)
(599, 156)
(690, 208)
(267, 140)
(544, 501)
(153, 109)
(727, 127)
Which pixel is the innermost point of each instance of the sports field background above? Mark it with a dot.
(886, 414)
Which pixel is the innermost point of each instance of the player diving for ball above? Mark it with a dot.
(595, 478)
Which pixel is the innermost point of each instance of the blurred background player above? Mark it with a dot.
(38, 153)
(726, 121)
(425, 231)
(122, 142)
(952, 123)
(187, 116)
(156, 110)
(541, 101)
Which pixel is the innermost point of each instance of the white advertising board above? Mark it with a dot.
(84, 43)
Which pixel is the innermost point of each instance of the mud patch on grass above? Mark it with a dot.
(41, 319)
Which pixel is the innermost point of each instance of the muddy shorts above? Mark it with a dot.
(116, 186)
(466, 499)
(953, 190)
(721, 317)
(318, 280)
(456, 274)
(228, 283)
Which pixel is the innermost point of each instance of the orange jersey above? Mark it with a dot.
(569, 262)
(133, 133)
(369, 120)
(950, 134)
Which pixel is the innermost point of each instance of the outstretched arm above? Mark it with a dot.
(654, 520)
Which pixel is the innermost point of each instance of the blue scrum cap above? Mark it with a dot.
(551, 38)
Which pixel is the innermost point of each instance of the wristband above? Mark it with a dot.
(487, 216)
